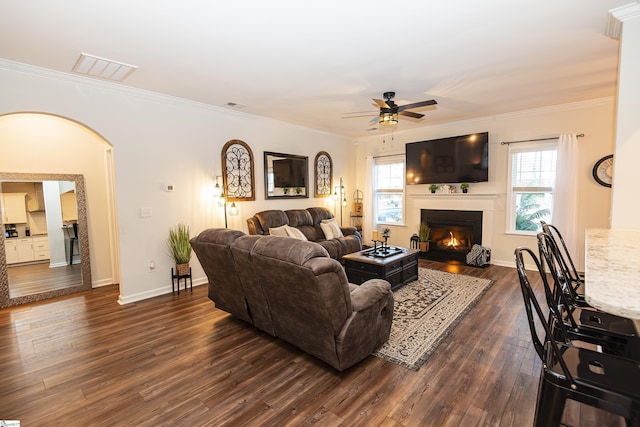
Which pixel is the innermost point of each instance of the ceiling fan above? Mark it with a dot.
(389, 111)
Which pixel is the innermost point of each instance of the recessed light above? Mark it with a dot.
(94, 66)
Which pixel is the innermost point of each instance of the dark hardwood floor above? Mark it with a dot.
(28, 279)
(175, 360)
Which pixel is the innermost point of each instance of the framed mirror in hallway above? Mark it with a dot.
(44, 251)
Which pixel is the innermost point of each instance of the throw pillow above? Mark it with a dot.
(337, 233)
(295, 233)
(279, 231)
(327, 230)
(331, 229)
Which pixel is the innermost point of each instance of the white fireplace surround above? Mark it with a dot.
(459, 202)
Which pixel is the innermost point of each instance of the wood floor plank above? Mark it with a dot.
(176, 360)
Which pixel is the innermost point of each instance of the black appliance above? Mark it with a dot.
(454, 159)
(10, 231)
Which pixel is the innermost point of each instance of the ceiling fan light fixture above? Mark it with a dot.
(388, 118)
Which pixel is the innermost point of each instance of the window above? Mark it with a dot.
(388, 188)
(533, 174)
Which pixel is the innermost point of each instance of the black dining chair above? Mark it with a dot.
(73, 241)
(596, 379)
(573, 277)
(616, 334)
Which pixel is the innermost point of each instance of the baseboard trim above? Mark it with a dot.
(127, 299)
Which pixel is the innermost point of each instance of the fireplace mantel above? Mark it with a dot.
(485, 202)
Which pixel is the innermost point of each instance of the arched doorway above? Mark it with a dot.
(45, 144)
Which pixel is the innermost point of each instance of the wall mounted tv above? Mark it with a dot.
(289, 172)
(454, 159)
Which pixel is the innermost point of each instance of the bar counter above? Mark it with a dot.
(612, 271)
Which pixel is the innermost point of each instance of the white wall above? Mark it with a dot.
(594, 119)
(158, 139)
(626, 173)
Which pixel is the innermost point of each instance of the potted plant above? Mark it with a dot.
(433, 188)
(285, 190)
(423, 237)
(464, 187)
(298, 191)
(180, 248)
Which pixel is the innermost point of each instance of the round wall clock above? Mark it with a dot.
(603, 171)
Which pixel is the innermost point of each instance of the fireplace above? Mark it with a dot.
(453, 233)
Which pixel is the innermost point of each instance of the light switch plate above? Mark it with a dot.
(146, 212)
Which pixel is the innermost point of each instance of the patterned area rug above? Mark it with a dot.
(426, 311)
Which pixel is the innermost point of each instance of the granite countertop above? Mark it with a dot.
(612, 271)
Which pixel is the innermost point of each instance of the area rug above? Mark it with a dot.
(426, 311)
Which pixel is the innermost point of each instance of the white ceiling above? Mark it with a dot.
(307, 62)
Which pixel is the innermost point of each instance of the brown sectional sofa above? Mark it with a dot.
(308, 222)
(293, 290)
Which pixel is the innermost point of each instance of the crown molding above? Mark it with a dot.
(119, 88)
(618, 16)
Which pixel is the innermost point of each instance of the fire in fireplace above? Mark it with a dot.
(453, 233)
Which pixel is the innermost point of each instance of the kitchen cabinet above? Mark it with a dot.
(35, 201)
(40, 248)
(14, 208)
(11, 251)
(27, 249)
(69, 206)
(24, 248)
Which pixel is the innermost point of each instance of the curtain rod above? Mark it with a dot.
(388, 155)
(539, 139)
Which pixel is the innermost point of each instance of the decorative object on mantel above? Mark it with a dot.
(433, 188)
(323, 167)
(237, 171)
(424, 231)
(426, 311)
(180, 248)
(603, 171)
(464, 187)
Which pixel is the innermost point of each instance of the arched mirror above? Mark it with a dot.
(44, 250)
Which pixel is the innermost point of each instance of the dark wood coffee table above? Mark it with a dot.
(398, 269)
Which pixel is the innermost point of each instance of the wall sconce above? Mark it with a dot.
(218, 191)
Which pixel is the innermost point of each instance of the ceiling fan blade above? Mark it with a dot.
(417, 104)
(375, 119)
(381, 103)
(411, 114)
(359, 115)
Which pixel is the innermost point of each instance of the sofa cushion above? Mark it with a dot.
(318, 214)
(271, 218)
(298, 217)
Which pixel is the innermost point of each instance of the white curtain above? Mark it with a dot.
(368, 224)
(565, 193)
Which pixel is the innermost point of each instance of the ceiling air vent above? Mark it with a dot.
(102, 68)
